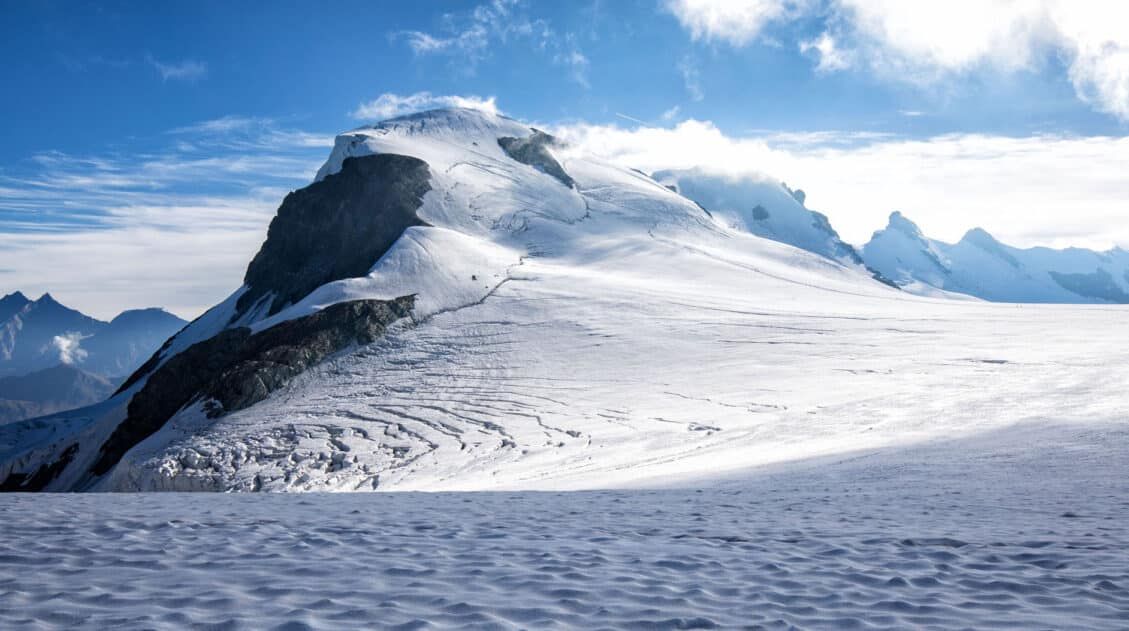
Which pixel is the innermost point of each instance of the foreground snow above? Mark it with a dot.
(1020, 528)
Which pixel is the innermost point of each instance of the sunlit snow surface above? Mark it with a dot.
(1001, 530)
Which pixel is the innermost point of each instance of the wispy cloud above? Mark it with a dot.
(170, 224)
(472, 36)
(389, 105)
(185, 70)
(859, 178)
(574, 60)
(691, 78)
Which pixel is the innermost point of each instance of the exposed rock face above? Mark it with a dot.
(534, 151)
(336, 228)
(236, 369)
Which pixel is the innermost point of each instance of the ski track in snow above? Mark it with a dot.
(972, 533)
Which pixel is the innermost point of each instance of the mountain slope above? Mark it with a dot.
(981, 266)
(543, 320)
(51, 390)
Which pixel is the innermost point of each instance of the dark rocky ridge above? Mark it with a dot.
(336, 228)
(534, 151)
(237, 369)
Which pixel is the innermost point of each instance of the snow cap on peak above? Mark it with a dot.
(463, 120)
(427, 135)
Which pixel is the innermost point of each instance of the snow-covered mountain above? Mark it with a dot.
(42, 333)
(764, 207)
(460, 302)
(981, 266)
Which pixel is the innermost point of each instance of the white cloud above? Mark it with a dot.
(672, 113)
(186, 70)
(736, 22)
(829, 56)
(931, 41)
(68, 346)
(1038, 190)
(389, 105)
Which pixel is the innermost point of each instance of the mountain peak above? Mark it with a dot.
(149, 315)
(15, 296)
(47, 299)
(901, 223)
(979, 236)
(12, 304)
(462, 120)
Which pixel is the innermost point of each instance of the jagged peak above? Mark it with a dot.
(15, 296)
(901, 223)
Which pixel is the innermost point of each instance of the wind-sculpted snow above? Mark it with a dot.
(1020, 529)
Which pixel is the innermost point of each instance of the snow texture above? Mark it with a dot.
(1022, 528)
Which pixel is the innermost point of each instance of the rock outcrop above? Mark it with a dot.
(336, 228)
(534, 151)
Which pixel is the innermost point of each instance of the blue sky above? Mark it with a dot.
(143, 132)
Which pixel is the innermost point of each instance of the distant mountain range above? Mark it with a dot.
(978, 265)
(53, 357)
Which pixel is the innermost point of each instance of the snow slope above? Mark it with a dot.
(981, 266)
(597, 331)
